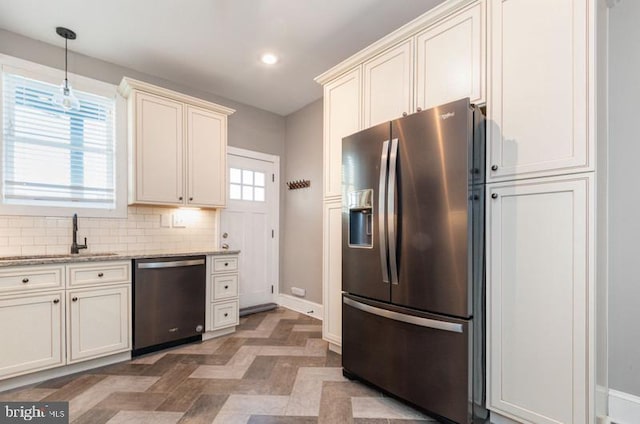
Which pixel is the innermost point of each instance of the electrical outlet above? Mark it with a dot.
(178, 220)
(296, 291)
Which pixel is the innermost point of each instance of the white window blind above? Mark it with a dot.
(52, 157)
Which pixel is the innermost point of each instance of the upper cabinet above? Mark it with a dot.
(538, 102)
(342, 111)
(388, 84)
(177, 147)
(451, 59)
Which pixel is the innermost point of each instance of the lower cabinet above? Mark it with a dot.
(540, 282)
(332, 272)
(97, 322)
(87, 316)
(32, 333)
(222, 306)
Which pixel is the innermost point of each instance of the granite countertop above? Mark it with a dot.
(109, 256)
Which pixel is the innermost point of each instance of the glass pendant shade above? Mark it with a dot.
(65, 98)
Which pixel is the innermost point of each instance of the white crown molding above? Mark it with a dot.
(401, 34)
(128, 84)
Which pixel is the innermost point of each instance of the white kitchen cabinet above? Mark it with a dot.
(342, 117)
(158, 172)
(332, 272)
(451, 59)
(98, 309)
(98, 322)
(388, 82)
(32, 333)
(540, 88)
(206, 157)
(222, 295)
(177, 147)
(540, 280)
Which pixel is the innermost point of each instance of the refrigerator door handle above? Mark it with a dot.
(410, 319)
(384, 159)
(391, 211)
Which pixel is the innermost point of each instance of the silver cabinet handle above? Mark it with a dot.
(382, 192)
(410, 319)
(172, 264)
(391, 211)
(225, 246)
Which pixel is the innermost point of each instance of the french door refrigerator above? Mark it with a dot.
(413, 260)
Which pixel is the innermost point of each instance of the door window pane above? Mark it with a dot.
(247, 185)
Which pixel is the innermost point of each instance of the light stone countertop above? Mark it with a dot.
(6, 261)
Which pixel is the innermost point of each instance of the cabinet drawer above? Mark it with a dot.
(224, 286)
(225, 264)
(99, 273)
(225, 314)
(31, 278)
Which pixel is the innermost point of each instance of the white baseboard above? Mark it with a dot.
(36, 377)
(301, 305)
(624, 408)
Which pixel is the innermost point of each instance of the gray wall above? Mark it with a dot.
(249, 128)
(302, 247)
(624, 197)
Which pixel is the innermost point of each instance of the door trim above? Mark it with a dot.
(274, 211)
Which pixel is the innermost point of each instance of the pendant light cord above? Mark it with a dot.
(66, 81)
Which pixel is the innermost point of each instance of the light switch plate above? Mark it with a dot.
(165, 220)
(178, 221)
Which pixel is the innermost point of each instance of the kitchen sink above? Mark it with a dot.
(60, 256)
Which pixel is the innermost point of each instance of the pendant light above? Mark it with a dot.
(65, 98)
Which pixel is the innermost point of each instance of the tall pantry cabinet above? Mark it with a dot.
(531, 62)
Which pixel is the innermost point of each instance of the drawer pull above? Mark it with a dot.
(25, 280)
(56, 300)
(226, 314)
(226, 264)
(226, 287)
(101, 274)
(75, 299)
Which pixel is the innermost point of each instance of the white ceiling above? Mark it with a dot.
(215, 45)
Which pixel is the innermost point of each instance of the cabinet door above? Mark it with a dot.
(98, 322)
(539, 277)
(342, 110)
(206, 157)
(32, 333)
(451, 59)
(540, 91)
(388, 80)
(332, 273)
(158, 150)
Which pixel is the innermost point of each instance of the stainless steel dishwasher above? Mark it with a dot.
(168, 302)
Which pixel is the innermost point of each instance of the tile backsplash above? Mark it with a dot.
(140, 231)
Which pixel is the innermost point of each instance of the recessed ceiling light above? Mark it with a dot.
(269, 58)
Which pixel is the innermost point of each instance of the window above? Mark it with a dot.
(246, 185)
(52, 157)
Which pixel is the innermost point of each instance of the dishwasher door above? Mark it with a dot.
(168, 301)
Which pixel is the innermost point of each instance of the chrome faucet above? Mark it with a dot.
(75, 247)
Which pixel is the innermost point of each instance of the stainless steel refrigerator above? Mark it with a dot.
(413, 260)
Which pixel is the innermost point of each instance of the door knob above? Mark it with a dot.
(225, 246)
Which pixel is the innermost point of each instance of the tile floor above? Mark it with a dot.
(274, 369)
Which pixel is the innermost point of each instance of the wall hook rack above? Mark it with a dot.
(296, 184)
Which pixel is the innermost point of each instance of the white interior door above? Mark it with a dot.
(250, 223)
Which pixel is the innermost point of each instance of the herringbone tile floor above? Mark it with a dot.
(275, 369)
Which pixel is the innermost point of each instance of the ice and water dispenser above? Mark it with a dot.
(361, 218)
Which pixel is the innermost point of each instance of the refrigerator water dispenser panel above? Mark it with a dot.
(361, 218)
